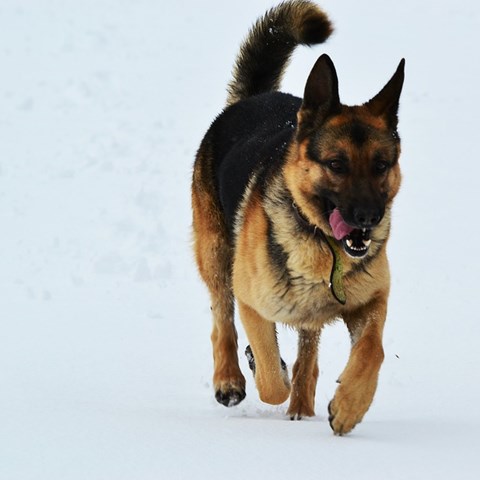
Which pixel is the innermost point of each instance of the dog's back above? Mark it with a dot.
(251, 136)
(259, 121)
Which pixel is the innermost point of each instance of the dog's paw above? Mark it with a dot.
(343, 415)
(230, 395)
(300, 408)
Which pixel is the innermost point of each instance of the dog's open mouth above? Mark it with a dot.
(355, 241)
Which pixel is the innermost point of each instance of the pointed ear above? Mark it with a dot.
(321, 92)
(321, 89)
(385, 103)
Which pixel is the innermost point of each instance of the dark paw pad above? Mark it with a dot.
(296, 416)
(230, 397)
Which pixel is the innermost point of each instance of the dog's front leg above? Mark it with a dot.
(358, 381)
(270, 377)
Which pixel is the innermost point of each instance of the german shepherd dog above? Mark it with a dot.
(291, 216)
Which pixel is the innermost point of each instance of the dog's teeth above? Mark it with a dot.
(349, 242)
(367, 242)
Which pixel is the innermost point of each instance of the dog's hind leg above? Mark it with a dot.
(305, 375)
(271, 376)
(214, 257)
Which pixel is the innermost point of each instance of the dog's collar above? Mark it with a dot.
(336, 275)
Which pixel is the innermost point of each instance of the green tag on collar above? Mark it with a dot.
(336, 276)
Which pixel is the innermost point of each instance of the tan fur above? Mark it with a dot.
(213, 254)
(292, 284)
(272, 382)
(262, 301)
(304, 376)
(358, 381)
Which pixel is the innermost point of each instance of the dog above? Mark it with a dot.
(291, 204)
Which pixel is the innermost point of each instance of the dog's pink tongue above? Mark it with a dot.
(339, 228)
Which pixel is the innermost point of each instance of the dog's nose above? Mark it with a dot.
(366, 217)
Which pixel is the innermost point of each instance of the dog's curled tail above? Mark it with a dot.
(271, 41)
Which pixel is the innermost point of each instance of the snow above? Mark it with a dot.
(105, 360)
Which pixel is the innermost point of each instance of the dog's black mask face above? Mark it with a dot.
(357, 176)
(346, 173)
(351, 218)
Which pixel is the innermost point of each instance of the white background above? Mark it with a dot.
(105, 358)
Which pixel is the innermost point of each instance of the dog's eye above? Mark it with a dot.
(337, 166)
(381, 167)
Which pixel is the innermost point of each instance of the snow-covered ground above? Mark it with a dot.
(105, 360)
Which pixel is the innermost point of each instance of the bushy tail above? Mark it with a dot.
(271, 41)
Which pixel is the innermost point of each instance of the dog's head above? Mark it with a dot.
(344, 173)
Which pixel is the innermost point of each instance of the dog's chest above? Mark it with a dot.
(301, 301)
(285, 277)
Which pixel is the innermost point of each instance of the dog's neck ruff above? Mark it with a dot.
(305, 224)
(336, 275)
